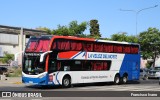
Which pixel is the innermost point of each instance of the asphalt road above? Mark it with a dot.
(86, 87)
(99, 91)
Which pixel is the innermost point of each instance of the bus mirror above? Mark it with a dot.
(43, 55)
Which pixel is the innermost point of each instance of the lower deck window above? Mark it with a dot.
(84, 65)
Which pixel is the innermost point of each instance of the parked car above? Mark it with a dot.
(154, 72)
(144, 73)
(3, 70)
(158, 75)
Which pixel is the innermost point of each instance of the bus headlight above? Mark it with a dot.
(50, 78)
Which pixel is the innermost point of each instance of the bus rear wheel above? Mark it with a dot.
(66, 82)
(124, 79)
(116, 80)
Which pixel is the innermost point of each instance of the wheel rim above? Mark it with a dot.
(117, 80)
(124, 79)
(66, 82)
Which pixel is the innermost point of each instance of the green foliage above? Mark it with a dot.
(78, 29)
(149, 64)
(94, 28)
(44, 29)
(150, 43)
(61, 30)
(124, 37)
(7, 58)
(73, 29)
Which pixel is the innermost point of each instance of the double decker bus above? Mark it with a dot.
(67, 60)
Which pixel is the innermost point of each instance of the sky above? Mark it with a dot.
(50, 13)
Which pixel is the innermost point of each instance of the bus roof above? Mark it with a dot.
(83, 39)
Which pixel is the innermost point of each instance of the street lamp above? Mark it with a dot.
(137, 12)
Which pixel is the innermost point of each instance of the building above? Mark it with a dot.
(13, 40)
(143, 63)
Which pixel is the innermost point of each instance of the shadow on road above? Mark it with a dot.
(80, 85)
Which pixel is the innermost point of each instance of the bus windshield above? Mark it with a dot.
(32, 65)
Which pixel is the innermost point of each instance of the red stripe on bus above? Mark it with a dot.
(67, 55)
(47, 62)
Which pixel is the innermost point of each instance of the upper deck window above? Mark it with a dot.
(89, 46)
(37, 46)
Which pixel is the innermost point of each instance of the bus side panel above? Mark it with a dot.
(131, 66)
(87, 76)
(96, 76)
(75, 77)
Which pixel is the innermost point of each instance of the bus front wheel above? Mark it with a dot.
(116, 79)
(66, 82)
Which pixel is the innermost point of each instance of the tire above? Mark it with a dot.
(124, 79)
(117, 80)
(66, 82)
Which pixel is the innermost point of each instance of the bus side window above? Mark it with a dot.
(66, 68)
(108, 47)
(58, 65)
(87, 66)
(98, 65)
(126, 49)
(105, 67)
(88, 46)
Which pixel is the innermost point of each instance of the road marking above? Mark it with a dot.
(122, 88)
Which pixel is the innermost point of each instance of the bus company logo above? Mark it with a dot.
(21, 94)
(6, 94)
(85, 55)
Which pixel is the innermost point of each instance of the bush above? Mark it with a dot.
(7, 58)
(15, 72)
(149, 64)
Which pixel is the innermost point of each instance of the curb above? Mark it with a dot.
(17, 83)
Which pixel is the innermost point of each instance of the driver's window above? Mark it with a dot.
(28, 65)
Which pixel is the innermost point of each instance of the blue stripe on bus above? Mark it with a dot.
(57, 78)
(39, 81)
(76, 55)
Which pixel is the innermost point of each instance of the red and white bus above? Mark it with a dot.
(67, 60)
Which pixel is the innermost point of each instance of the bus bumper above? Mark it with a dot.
(35, 79)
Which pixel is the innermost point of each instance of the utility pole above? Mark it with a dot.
(137, 12)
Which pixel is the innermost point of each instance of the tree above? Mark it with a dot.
(150, 43)
(44, 29)
(7, 58)
(77, 29)
(73, 29)
(124, 37)
(94, 28)
(61, 30)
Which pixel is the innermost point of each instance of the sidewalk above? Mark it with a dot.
(11, 81)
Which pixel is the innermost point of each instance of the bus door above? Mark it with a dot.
(73, 68)
(51, 70)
